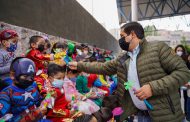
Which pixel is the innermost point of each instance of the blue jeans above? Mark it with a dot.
(143, 118)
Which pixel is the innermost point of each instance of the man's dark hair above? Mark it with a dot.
(53, 69)
(34, 39)
(123, 26)
(135, 27)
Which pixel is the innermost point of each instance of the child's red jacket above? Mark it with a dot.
(60, 110)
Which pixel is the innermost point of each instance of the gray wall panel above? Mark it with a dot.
(65, 18)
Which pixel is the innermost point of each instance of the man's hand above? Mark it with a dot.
(144, 92)
(73, 65)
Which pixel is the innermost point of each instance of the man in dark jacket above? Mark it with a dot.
(154, 70)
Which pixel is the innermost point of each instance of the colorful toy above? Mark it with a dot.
(117, 111)
(71, 47)
(59, 55)
(73, 103)
(103, 81)
(48, 101)
(99, 93)
(67, 59)
(129, 85)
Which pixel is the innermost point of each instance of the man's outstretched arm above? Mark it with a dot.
(107, 68)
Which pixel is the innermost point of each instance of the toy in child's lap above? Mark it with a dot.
(86, 106)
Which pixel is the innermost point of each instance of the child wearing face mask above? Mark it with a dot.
(84, 52)
(8, 45)
(61, 108)
(37, 44)
(59, 48)
(21, 101)
(72, 75)
(36, 54)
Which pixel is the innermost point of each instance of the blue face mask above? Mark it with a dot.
(58, 83)
(12, 47)
(73, 79)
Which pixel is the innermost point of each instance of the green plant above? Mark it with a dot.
(184, 43)
(150, 30)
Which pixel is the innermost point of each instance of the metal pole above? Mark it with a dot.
(134, 10)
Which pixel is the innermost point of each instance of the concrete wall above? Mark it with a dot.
(65, 18)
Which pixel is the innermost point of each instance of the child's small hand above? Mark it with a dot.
(93, 95)
(53, 93)
(43, 110)
(72, 112)
(83, 98)
(69, 106)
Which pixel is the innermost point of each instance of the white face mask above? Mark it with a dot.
(57, 50)
(58, 83)
(79, 52)
(85, 52)
(85, 74)
(179, 53)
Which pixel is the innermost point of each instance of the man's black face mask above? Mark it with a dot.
(123, 44)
